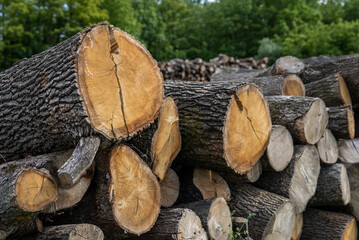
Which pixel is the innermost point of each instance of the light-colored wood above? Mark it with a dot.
(169, 188)
(166, 142)
(341, 121)
(349, 150)
(327, 148)
(130, 81)
(293, 86)
(134, 191)
(285, 65)
(298, 226)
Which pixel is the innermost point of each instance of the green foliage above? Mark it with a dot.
(270, 49)
(240, 232)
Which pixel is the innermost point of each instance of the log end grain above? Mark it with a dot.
(344, 91)
(169, 188)
(190, 227)
(348, 150)
(327, 148)
(298, 226)
(351, 231)
(293, 86)
(119, 81)
(35, 189)
(248, 115)
(254, 174)
(134, 191)
(166, 142)
(287, 65)
(219, 220)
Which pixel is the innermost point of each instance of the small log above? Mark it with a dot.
(51, 100)
(285, 65)
(348, 150)
(333, 187)
(341, 122)
(222, 124)
(274, 215)
(279, 151)
(327, 148)
(159, 144)
(82, 158)
(298, 181)
(215, 217)
(306, 118)
(70, 232)
(176, 223)
(331, 89)
(319, 224)
(170, 187)
(298, 227)
(250, 177)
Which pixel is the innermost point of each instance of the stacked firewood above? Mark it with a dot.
(199, 70)
(93, 149)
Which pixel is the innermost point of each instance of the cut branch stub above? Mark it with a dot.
(327, 148)
(285, 65)
(170, 187)
(134, 191)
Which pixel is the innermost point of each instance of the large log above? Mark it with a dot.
(349, 150)
(327, 148)
(319, 224)
(306, 118)
(331, 89)
(285, 65)
(70, 232)
(341, 122)
(215, 217)
(91, 83)
(222, 124)
(333, 187)
(298, 181)
(279, 151)
(159, 144)
(274, 215)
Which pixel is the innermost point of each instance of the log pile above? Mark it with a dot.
(199, 70)
(93, 150)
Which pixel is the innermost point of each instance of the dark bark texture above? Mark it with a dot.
(340, 122)
(230, 74)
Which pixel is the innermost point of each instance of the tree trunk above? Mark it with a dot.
(331, 89)
(306, 118)
(333, 187)
(298, 227)
(70, 232)
(341, 122)
(319, 224)
(284, 66)
(279, 151)
(215, 217)
(270, 85)
(170, 187)
(274, 215)
(348, 150)
(328, 148)
(222, 124)
(51, 100)
(298, 181)
(159, 144)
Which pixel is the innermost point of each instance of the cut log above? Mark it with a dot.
(331, 89)
(348, 150)
(81, 160)
(306, 118)
(270, 85)
(176, 223)
(327, 148)
(298, 181)
(70, 232)
(91, 83)
(222, 124)
(353, 175)
(341, 122)
(215, 217)
(199, 184)
(250, 177)
(298, 226)
(159, 144)
(170, 187)
(333, 187)
(279, 151)
(319, 224)
(274, 215)
(285, 65)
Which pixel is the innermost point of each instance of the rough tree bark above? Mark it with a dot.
(227, 73)
(341, 122)
(51, 100)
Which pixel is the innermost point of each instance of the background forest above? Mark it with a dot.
(187, 28)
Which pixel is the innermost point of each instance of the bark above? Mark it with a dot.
(327, 148)
(333, 187)
(341, 122)
(210, 113)
(353, 175)
(320, 224)
(274, 215)
(215, 217)
(285, 65)
(325, 59)
(306, 118)
(229, 74)
(298, 181)
(331, 89)
(349, 150)
(51, 100)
